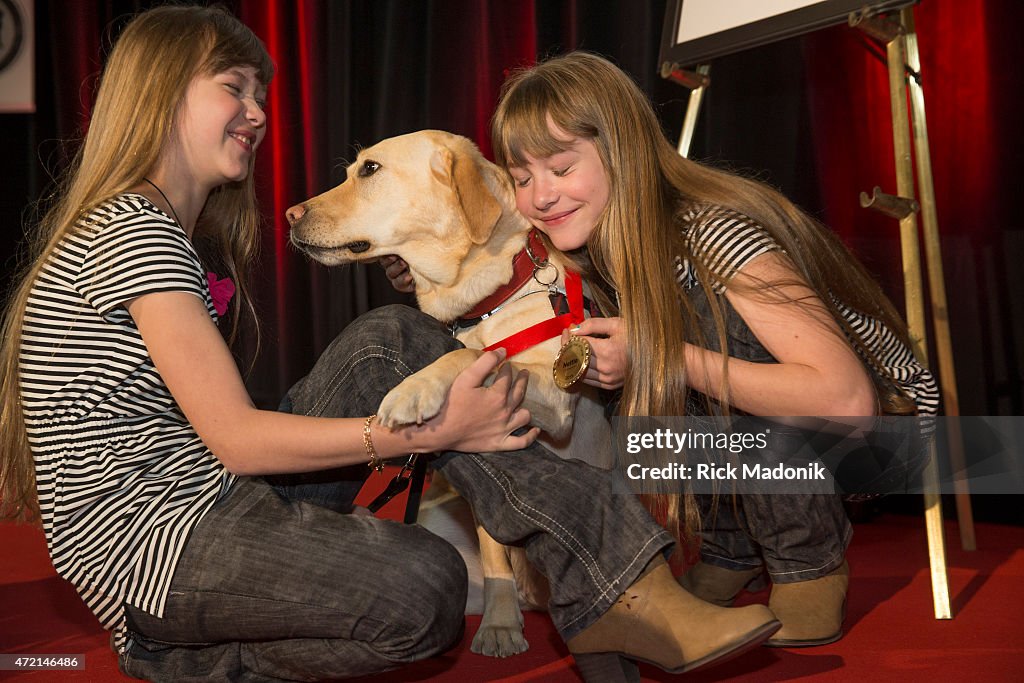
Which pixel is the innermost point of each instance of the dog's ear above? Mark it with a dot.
(479, 205)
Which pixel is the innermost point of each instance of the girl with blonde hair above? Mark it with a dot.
(724, 299)
(128, 432)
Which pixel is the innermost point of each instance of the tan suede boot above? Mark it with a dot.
(717, 585)
(658, 622)
(811, 612)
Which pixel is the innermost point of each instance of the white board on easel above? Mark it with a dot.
(696, 31)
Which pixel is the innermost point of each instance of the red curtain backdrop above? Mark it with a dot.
(849, 89)
(290, 164)
(352, 72)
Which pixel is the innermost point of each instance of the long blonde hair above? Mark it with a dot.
(144, 83)
(641, 230)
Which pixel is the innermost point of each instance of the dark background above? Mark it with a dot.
(809, 115)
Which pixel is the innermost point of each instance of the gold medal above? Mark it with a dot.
(571, 362)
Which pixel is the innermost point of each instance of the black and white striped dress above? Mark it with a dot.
(122, 476)
(727, 240)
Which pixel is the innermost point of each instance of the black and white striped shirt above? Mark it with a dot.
(726, 241)
(122, 476)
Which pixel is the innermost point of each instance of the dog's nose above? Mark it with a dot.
(295, 213)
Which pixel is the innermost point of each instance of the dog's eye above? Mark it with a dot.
(368, 168)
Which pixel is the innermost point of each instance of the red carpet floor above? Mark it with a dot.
(891, 633)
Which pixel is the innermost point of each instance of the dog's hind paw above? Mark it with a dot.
(499, 641)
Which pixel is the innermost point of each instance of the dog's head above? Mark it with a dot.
(427, 196)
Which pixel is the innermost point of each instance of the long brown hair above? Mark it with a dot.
(641, 230)
(144, 83)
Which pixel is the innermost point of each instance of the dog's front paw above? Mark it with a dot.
(419, 397)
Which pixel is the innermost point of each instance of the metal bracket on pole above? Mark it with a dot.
(880, 28)
(687, 79)
(696, 81)
(889, 204)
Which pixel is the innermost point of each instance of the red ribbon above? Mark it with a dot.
(552, 327)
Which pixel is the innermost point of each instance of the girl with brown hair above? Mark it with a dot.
(724, 299)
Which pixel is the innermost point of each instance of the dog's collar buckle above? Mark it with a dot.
(541, 262)
(554, 276)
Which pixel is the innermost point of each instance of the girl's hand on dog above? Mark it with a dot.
(481, 419)
(608, 359)
(397, 271)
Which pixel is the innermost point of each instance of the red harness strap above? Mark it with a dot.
(552, 327)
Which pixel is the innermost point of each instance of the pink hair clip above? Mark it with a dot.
(221, 291)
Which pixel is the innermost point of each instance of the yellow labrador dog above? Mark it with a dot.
(431, 198)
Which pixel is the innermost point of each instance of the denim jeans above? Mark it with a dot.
(277, 583)
(796, 537)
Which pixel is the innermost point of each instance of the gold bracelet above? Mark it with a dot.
(375, 461)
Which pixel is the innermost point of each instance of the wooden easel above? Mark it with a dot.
(903, 58)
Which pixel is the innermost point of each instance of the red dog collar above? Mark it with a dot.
(523, 265)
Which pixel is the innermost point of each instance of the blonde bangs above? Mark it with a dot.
(530, 98)
(523, 130)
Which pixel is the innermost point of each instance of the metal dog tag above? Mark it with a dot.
(571, 363)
